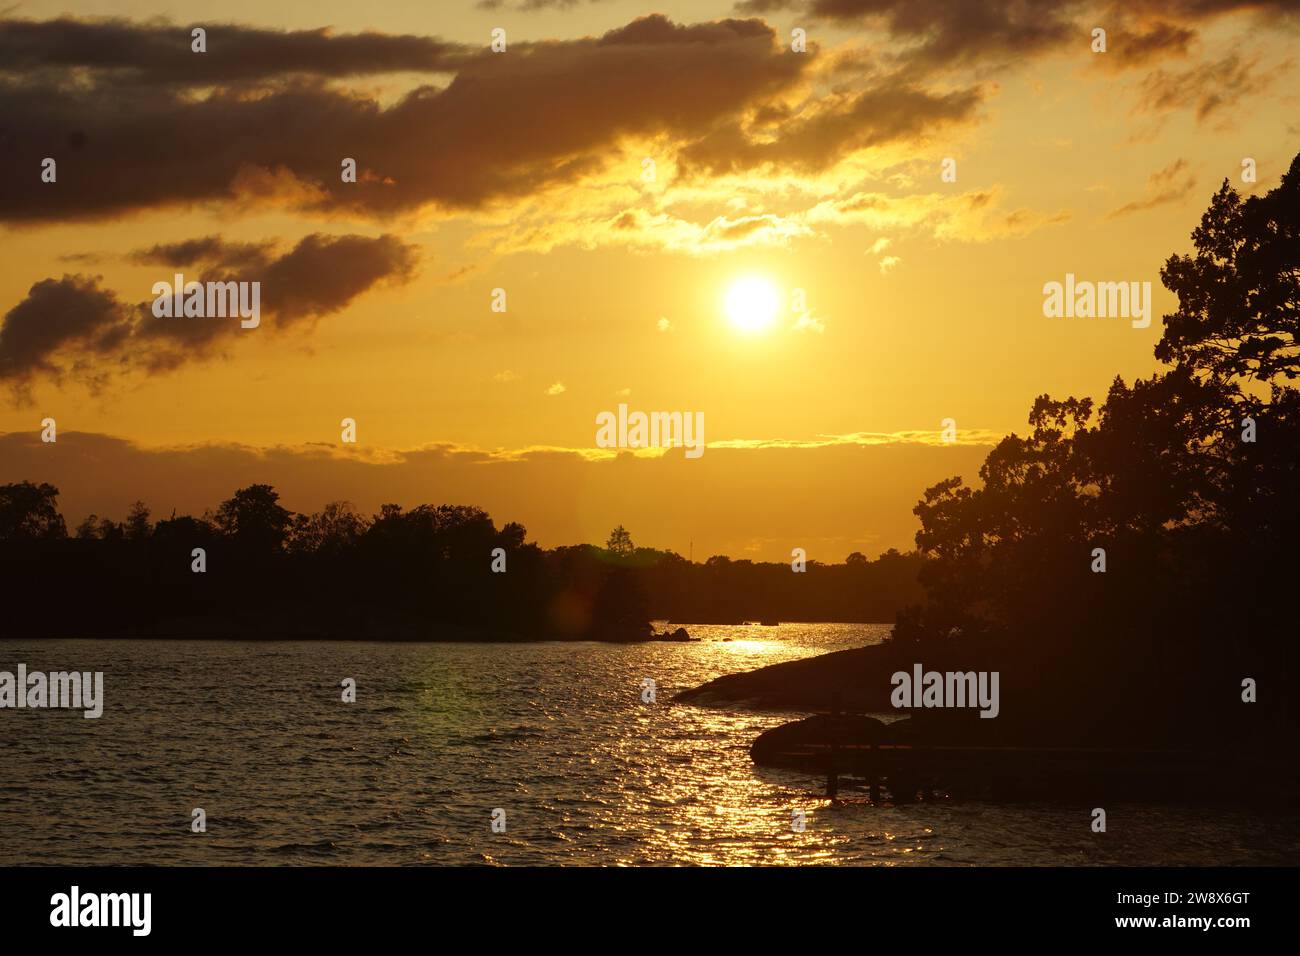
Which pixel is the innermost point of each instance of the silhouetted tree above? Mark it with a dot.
(1238, 311)
(334, 529)
(620, 542)
(137, 525)
(30, 511)
(254, 518)
(1189, 482)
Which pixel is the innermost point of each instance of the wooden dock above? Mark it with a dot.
(911, 771)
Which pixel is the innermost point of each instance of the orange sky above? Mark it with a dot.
(524, 171)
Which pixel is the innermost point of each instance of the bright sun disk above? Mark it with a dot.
(752, 304)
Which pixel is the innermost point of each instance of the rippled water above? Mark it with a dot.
(554, 734)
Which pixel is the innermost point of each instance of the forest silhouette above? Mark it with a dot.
(430, 573)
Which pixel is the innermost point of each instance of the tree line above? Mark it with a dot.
(252, 567)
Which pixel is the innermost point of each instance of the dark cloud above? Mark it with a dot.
(1207, 89)
(1158, 41)
(207, 250)
(530, 6)
(888, 112)
(323, 274)
(1166, 185)
(758, 7)
(120, 51)
(139, 125)
(506, 126)
(72, 312)
(319, 276)
(991, 33)
(1204, 9)
(73, 324)
(954, 32)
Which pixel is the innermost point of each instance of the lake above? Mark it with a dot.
(441, 734)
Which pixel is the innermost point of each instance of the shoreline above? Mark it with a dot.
(404, 634)
(340, 638)
(456, 636)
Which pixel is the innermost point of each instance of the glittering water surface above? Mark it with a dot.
(555, 734)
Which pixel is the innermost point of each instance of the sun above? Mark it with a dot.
(752, 304)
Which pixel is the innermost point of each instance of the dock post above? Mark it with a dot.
(832, 773)
(873, 775)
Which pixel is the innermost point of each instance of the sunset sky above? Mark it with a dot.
(525, 171)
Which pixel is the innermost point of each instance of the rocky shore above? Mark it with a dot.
(1047, 742)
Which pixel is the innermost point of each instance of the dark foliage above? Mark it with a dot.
(1198, 522)
(426, 573)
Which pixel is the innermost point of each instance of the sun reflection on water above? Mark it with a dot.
(556, 734)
